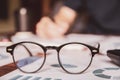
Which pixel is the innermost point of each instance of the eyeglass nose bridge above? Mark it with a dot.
(51, 47)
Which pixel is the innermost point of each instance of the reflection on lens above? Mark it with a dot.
(77, 55)
(30, 59)
(26, 61)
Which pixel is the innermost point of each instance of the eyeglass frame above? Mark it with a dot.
(93, 50)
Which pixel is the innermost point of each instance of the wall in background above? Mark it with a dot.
(3, 9)
(37, 8)
(7, 25)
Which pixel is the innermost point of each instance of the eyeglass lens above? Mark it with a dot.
(28, 57)
(76, 56)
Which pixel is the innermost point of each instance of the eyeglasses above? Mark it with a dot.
(73, 58)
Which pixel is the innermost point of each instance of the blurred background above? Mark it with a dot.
(9, 12)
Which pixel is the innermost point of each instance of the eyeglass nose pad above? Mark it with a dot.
(51, 47)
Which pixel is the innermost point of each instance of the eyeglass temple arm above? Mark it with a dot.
(98, 47)
(27, 50)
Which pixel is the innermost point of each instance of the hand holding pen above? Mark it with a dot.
(57, 25)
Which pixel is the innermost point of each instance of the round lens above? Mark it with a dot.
(29, 57)
(75, 58)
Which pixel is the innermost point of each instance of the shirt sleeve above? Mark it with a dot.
(73, 4)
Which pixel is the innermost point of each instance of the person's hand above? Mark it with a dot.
(46, 28)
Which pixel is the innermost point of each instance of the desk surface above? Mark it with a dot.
(9, 71)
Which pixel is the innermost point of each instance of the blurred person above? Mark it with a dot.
(103, 17)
